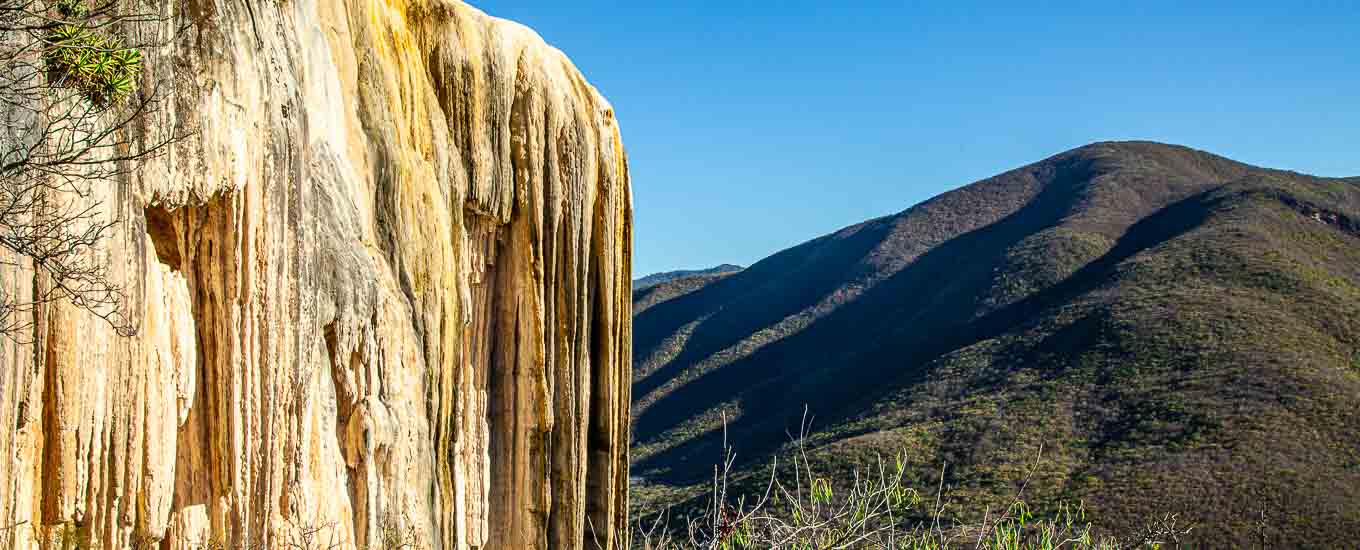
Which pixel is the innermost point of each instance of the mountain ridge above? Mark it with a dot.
(654, 279)
(999, 275)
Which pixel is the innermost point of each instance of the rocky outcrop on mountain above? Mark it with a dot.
(383, 286)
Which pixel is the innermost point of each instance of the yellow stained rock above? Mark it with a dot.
(384, 283)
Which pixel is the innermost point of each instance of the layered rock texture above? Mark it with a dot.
(382, 286)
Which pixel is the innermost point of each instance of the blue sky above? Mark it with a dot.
(753, 126)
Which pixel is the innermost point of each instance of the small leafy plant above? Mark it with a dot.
(100, 66)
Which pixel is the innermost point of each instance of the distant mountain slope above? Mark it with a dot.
(664, 291)
(658, 278)
(1178, 331)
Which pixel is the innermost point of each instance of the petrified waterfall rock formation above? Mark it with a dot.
(383, 284)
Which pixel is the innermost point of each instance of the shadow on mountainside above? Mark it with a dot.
(941, 284)
(886, 345)
(733, 307)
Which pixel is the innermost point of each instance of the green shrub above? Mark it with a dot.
(100, 66)
(801, 507)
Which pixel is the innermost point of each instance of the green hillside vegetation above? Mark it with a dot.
(1178, 332)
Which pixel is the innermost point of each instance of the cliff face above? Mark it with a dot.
(384, 284)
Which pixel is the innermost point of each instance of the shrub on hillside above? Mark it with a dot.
(801, 508)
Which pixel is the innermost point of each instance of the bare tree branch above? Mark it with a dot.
(64, 139)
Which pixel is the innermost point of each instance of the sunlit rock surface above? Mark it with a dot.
(383, 284)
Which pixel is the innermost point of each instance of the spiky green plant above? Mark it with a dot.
(101, 67)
